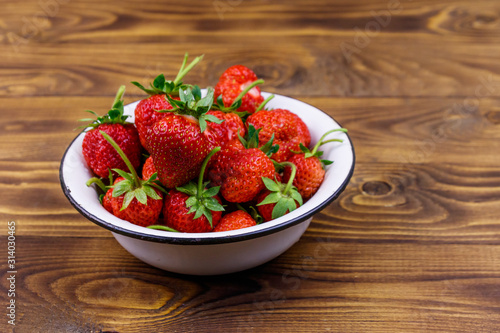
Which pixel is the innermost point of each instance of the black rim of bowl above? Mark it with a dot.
(206, 240)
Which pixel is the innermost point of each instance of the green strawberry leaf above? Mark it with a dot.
(271, 198)
(208, 215)
(290, 204)
(121, 188)
(196, 91)
(113, 116)
(141, 196)
(211, 192)
(189, 188)
(159, 82)
(201, 200)
(219, 102)
(296, 196)
(203, 124)
(191, 201)
(199, 212)
(152, 178)
(186, 96)
(206, 101)
(161, 85)
(271, 184)
(150, 192)
(280, 209)
(269, 148)
(146, 90)
(92, 112)
(236, 104)
(129, 196)
(213, 205)
(213, 119)
(124, 174)
(303, 148)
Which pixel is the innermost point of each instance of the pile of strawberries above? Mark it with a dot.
(200, 163)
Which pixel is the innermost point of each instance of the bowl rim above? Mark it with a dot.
(216, 239)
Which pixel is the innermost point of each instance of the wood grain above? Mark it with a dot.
(323, 282)
(94, 56)
(412, 245)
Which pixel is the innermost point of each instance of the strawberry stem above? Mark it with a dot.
(119, 95)
(261, 106)
(199, 194)
(98, 182)
(184, 70)
(289, 184)
(321, 142)
(247, 89)
(124, 157)
(161, 227)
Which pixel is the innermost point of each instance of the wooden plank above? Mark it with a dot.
(319, 50)
(320, 285)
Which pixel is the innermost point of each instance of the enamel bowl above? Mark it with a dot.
(221, 252)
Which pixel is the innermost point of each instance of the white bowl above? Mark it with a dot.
(214, 253)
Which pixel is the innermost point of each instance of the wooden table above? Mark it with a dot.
(412, 245)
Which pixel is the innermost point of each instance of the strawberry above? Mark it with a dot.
(100, 155)
(148, 169)
(310, 168)
(193, 207)
(278, 199)
(219, 161)
(106, 201)
(146, 114)
(135, 212)
(233, 82)
(230, 128)
(133, 199)
(180, 142)
(288, 129)
(239, 172)
(235, 220)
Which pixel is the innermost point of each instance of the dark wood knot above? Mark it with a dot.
(493, 117)
(376, 188)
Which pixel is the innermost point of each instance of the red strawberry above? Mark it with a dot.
(243, 175)
(99, 154)
(235, 220)
(133, 199)
(146, 114)
(239, 171)
(278, 199)
(180, 142)
(219, 161)
(148, 169)
(192, 207)
(288, 129)
(136, 212)
(106, 201)
(310, 174)
(233, 82)
(231, 126)
(178, 216)
(310, 170)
